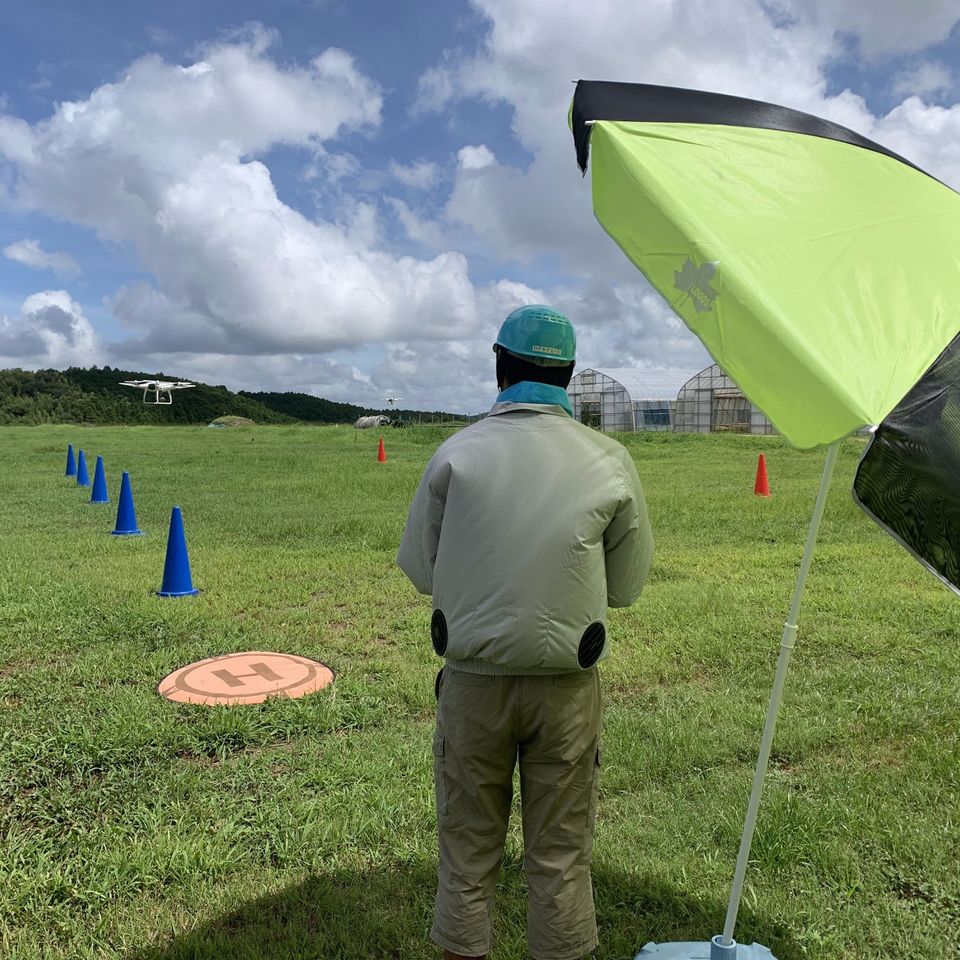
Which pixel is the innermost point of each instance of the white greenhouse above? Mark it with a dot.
(711, 402)
(626, 399)
(629, 399)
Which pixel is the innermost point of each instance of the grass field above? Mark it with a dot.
(138, 829)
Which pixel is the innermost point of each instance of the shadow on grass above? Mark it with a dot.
(386, 915)
(634, 909)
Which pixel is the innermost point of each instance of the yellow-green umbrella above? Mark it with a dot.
(822, 272)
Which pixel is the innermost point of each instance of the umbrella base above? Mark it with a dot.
(714, 950)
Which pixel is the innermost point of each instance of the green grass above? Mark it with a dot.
(138, 829)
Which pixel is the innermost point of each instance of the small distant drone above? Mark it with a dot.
(157, 391)
(392, 401)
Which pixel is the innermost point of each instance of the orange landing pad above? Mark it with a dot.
(245, 678)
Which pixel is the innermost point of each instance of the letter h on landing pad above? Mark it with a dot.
(236, 679)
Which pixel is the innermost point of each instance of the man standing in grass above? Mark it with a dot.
(526, 526)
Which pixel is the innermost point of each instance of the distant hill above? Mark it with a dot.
(303, 406)
(94, 395)
(78, 395)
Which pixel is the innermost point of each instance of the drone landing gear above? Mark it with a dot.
(164, 397)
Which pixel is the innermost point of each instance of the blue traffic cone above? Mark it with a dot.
(83, 478)
(126, 525)
(176, 567)
(71, 463)
(99, 493)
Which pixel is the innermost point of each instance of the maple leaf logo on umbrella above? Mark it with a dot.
(695, 281)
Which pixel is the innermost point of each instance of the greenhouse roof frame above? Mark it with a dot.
(647, 383)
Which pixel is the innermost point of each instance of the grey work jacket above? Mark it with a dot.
(526, 526)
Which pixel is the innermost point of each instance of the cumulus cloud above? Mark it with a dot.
(428, 233)
(620, 326)
(419, 175)
(31, 254)
(172, 161)
(166, 160)
(299, 373)
(924, 79)
(475, 158)
(884, 26)
(526, 59)
(51, 331)
(617, 326)
(776, 51)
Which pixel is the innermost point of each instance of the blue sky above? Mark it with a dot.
(346, 198)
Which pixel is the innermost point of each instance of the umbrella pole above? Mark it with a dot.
(783, 663)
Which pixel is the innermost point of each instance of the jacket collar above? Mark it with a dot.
(529, 393)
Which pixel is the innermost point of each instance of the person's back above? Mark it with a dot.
(524, 528)
(529, 555)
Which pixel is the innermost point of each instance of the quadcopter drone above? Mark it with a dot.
(392, 401)
(157, 391)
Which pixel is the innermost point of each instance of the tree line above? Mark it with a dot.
(94, 395)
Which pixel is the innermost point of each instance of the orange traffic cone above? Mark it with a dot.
(762, 486)
(381, 453)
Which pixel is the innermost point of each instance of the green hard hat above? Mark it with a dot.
(540, 334)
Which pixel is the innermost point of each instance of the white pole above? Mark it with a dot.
(783, 663)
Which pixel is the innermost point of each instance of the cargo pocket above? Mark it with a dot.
(439, 779)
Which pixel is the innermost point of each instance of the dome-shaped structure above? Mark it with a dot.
(711, 402)
(626, 399)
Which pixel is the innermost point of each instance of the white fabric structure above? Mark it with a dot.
(365, 423)
(626, 399)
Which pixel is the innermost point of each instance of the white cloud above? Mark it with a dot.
(171, 161)
(332, 167)
(617, 326)
(421, 230)
(16, 140)
(475, 158)
(885, 26)
(419, 175)
(624, 326)
(165, 160)
(300, 373)
(435, 89)
(51, 331)
(529, 54)
(159, 36)
(925, 134)
(925, 79)
(31, 254)
(532, 49)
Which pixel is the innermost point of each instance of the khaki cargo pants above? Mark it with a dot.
(484, 725)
